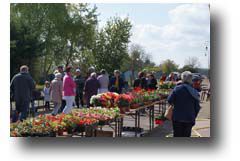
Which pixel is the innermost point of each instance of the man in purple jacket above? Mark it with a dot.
(91, 87)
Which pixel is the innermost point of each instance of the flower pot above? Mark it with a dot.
(159, 122)
(80, 129)
(102, 122)
(60, 133)
(127, 109)
(122, 110)
(134, 106)
(69, 130)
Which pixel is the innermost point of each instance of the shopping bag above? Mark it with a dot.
(169, 113)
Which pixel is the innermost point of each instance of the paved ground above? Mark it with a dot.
(201, 129)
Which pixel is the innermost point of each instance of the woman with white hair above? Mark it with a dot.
(186, 105)
(56, 92)
(91, 87)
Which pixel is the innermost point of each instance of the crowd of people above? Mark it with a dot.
(69, 88)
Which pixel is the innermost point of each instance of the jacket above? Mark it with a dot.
(103, 81)
(80, 81)
(56, 90)
(112, 87)
(185, 100)
(68, 86)
(91, 87)
(152, 84)
(22, 86)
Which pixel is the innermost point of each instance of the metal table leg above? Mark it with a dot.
(153, 117)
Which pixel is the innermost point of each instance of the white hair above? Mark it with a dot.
(58, 75)
(93, 74)
(186, 77)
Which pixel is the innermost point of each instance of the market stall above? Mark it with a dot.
(109, 110)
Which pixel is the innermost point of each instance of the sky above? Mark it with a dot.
(165, 31)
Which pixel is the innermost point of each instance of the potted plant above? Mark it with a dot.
(123, 101)
(159, 120)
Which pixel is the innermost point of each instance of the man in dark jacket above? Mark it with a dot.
(185, 100)
(22, 86)
(79, 80)
(91, 87)
(116, 83)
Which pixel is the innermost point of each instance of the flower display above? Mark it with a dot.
(98, 113)
(141, 96)
(124, 100)
(104, 99)
(48, 125)
(167, 85)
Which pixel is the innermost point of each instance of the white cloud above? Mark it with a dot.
(184, 36)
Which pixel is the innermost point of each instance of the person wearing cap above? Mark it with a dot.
(116, 83)
(103, 81)
(79, 80)
(186, 105)
(21, 87)
(56, 92)
(69, 87)
(91, 87)
(196, 83)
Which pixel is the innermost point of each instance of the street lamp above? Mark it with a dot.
(208, 56)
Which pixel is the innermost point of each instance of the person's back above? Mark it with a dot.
(92, 86)
(22, 86)
(56, 90)
(185, 105)
(79, 80)
(103, 81)
(68, 86)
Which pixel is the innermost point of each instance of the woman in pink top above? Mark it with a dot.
(68, 90)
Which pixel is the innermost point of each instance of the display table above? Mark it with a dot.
(149, 109)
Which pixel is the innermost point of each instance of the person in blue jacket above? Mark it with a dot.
(186, 105)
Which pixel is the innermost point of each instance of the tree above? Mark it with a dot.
(66, 32)
(192, 62)
(188, 68)
(111, 44)
(25, 45)
(168, 66)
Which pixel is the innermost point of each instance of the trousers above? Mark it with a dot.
(69, 104)
(182, 129)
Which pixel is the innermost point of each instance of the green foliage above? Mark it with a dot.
(152, 69)
(168, 66)
(189, 68)
(65, 32)
(24, 47)
(111, 44)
